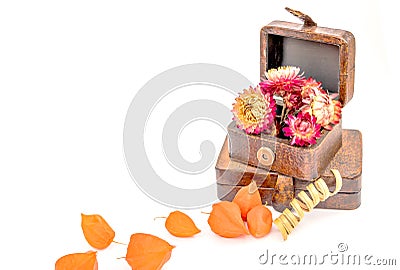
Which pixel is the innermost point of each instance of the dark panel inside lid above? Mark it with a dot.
(315, 59)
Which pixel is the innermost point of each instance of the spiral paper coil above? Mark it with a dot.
(318, 192)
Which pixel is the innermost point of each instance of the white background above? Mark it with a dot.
(68, 72)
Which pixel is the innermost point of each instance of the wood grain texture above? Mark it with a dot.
(299, 162)
(295, 167)
(341, 201)
(232, 175)
(348, 160)
(284, 193)
(341, 38)
(230, 172)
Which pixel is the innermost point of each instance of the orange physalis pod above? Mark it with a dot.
(97, 231)
(77, 261)
(181, 225)
(147, 252)
(226, 221)
(259, 221)
(247, 198)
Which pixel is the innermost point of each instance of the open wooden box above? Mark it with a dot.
(323, 53)
(280, 169)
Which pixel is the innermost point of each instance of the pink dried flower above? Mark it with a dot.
(254, 112)
(293, 100)
(310, 89)
(325, 110)
(320, 104)
(337, 115)
(282, 80)
(302, 128)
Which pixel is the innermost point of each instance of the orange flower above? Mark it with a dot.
(259, 221)
(97, 231)
(77, 261)
(226, 221)
(181, 225)
(147, 252)
(247, 198)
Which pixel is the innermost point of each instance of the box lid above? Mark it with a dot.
(326, 54)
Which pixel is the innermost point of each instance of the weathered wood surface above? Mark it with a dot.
(348, 160)
(271, 54)
(342, 200)
(284, 193)
(299, 162)
(232, 175)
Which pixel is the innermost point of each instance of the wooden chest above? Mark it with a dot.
(299, 162)
(280, 169)
(326, 54)
(278, 189)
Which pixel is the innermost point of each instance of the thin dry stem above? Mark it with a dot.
(158, 218)
(119, 243)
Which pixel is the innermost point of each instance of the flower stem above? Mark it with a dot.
(158, 218)
(119, 243)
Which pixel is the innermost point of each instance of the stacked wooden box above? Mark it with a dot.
(280, 169)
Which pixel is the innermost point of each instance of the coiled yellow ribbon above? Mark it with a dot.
(318, 191)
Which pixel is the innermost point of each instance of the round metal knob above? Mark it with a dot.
(265, 156)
